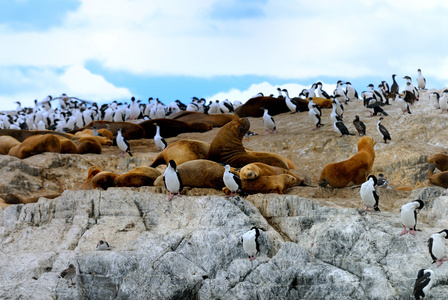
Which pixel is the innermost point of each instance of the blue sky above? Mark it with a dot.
(217, 49)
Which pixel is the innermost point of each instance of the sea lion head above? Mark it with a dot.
(241, 126)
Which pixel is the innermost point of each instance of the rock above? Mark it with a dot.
(191, 248)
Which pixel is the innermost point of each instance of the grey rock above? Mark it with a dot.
(191, 248)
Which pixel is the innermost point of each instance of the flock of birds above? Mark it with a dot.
(76, 113)
(73, 113)
(373, 100)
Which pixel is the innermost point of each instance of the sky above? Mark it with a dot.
(105, 50)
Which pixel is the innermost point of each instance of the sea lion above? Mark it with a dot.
(353, 170)
(182, 151)
(36, 144)
(140, 176)
(269, 184)
(130, 131)
(202, 173)
(104, 180)
(439, 179)
(227, 147)
(22, 134)
(287, 161)
(67, 146)
(440, 160)
(322, 102)
(88, 144)
(3, 204)
(11, 199)
(6, 143)
(255, 170)
(87, 185)
(216, 120)
(253, 107)
(171, 128)
(88, 132)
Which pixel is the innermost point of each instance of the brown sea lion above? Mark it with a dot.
(36, 144)
(269, 184)
(6, 143)
(182, 151)
(89, 133)
(439, 179)
(21, 135)
(287, 161)
(171, 128)
(104, 180)
(103, 132)
(216, 120)
(87, 185)
(202, 173)
(253, 107)
(353, 170)
(130, 131)
(405, 188)
(67, 146)
(227, 147)
(440, 160)
(322, 102)
(11, 199)
(88, 144)
(255, 170)
(3, 204)
(140, 176)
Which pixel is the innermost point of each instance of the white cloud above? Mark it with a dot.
(293, 39)
(74, 81)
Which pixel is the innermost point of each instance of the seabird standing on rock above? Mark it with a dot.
(172, 180)
(410, 87)
(280, 95)
(423, 283)
(369, 194)
(102, 245)
(334, 112)
(434, 97)
(339, 106)
(374, 107)
(443, 101)
(268, 121)
(421, 81)
(320, 92)
(159, 140)
(134, 110)
(123, 144)
(408, 215)
(339, 92)
(314, 116)
(311, 103)
(360, 126)
(404, 106)
(69, 273)
(394, 88)
(231, 180)
(436, 246)
(340, 127)
(250, 242)
(226, 107)
(383, 131)
(350, 92)
(290, 103)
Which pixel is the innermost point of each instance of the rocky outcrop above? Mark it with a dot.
(191, 248)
